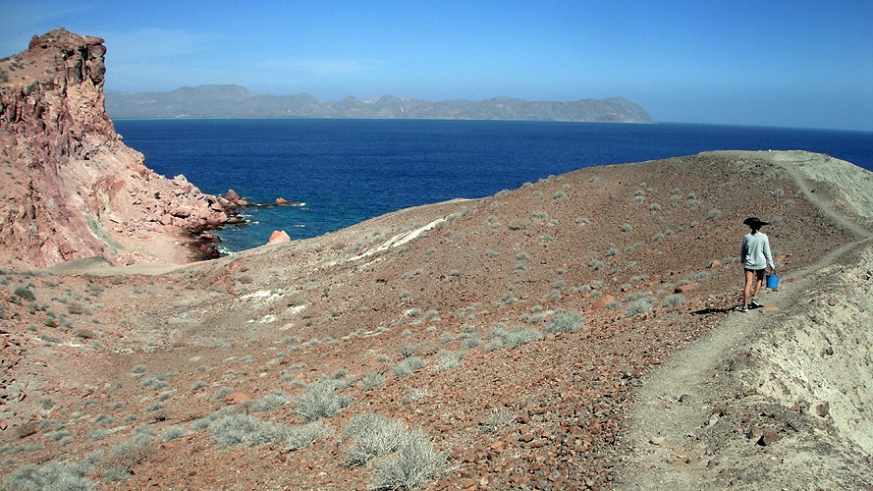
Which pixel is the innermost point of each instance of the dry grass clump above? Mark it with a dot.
(413, 465)
(501, 337)
(320, 400)
(374, 435)
(563, 321)
(408, 366)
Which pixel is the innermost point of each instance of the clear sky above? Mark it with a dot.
(794, 63)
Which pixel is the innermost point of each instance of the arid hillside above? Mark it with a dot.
(575, 333)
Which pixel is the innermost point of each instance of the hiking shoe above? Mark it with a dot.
(744, 309)
(754, 303)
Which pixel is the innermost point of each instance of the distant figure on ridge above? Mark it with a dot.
(755, 256)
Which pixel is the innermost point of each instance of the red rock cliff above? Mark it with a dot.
(70, 188)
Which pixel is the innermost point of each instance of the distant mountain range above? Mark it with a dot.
(233, 101)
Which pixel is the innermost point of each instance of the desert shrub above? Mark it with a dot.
(320, 400)
(519, 224)
(633, 247)
(493, 254)
(627, 227)
(640, 305)
(157, 382)
(156, 406)
(545, 239)
(409, 349)
(372, 381)
(415, 463)
(654, 207)
(673, 300)
(339, 374)
(274, 399)
(97, 434)
(498, 418)
(541, 316)
(222, 393)
(46, 403)
(413, 395)
(59, 476)
(563, 321)
(700, 275)
(519, 335)
(522, 256)
(236, 429)
(542, 214)
(163, 396)
(408, 366)
(173, 432)
(612, 250)
(23, 293)
(495, 344)
(123, 456)
(374, 435)
(302, 436)
(713, 214)
(447, 360)
(471, 342)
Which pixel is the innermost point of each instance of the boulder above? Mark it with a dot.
(278, 237)
(601, 302)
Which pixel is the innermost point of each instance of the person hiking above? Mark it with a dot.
(755, 256)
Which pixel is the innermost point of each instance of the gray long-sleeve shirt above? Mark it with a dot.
(755, 253)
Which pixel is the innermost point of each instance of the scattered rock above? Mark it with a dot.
(279, 237)
(602, 302)
(236, 398)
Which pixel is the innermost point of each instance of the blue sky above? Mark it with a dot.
(768, 63)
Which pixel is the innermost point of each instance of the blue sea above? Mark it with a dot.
(346, 171)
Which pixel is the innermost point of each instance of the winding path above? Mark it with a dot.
(671, 406)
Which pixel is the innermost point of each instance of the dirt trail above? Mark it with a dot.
(675, 445)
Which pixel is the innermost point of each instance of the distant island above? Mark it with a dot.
(234, 101)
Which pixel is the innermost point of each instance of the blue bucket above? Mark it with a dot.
(772, 281)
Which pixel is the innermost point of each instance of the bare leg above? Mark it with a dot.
(758, 283)
(747, 286)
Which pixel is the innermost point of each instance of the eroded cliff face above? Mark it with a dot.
(70, 188)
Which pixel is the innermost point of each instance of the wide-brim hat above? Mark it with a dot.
(753, 222)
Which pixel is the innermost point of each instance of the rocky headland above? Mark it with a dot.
(575, 333)
(71, 188)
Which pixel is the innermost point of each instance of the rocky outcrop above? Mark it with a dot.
(71, 188)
